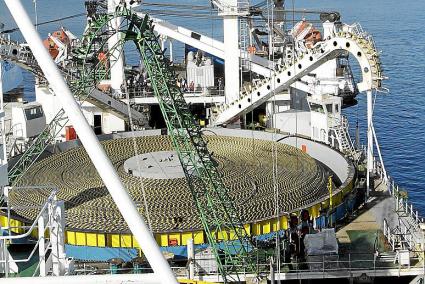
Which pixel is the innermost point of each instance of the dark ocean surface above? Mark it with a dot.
(397, 27)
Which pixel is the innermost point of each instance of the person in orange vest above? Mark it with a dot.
(252, 49)
(102, 57)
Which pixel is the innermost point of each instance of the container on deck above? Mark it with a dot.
(70, 133)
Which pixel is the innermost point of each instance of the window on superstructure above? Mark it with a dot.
(316, 108)
(33, 113)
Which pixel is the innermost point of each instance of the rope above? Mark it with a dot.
(136, 151)
(47, 22)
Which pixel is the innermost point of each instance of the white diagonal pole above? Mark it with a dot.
(369, 140)
(94, 149)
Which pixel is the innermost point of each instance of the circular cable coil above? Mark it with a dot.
(246, 166)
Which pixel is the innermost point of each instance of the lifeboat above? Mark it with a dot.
(56, 41)
(305, 31)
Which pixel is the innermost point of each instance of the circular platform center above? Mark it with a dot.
(155, 165)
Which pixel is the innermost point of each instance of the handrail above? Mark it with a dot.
(407, 207)
(31, 254)
(14, 237)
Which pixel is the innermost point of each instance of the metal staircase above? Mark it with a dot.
(117, 107)
(346, 145)
(362, 48)
(387, 257)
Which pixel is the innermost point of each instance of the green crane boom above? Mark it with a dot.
(217, 211)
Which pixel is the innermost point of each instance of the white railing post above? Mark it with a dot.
(393, 242)
(191, 258)
(5, 258)
(397, 203)
(41, 245)
(53, 238)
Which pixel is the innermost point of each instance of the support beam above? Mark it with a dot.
(57, 236)
(231, 58)
(214, 47)
(191, 258)
(92, 145)
(116, 60)
(170, 42)
(369, 139)
(41, 245)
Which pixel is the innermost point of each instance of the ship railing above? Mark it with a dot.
(391, 238)
(327, 265)
(402, 202)
(202, 92)
(44, 217)
(400, 237)
(392, 187)
(358, 30)
(379, 169)
(410, 222)
(92, 269)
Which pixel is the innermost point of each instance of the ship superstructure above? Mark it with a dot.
(251, 134)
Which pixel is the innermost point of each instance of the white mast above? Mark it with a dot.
(116, 58)
(369, 139)
(94, 149)
(231, 10)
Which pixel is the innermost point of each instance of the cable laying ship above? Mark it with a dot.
(238, 161)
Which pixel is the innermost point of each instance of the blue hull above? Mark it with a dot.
(12, 76)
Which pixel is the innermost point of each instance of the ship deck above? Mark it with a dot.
(364, 252)
(363, 249)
